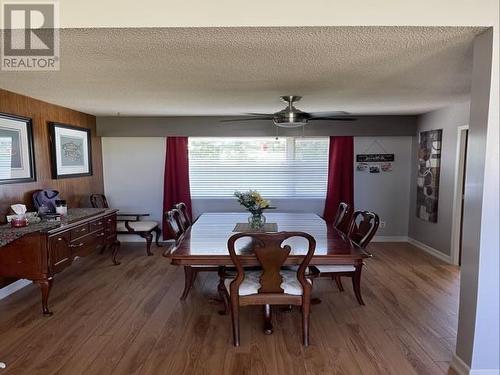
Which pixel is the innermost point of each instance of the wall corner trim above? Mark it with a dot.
(430, 250)
(459, 366)
(462, 369)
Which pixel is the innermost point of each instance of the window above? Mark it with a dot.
(283, 167)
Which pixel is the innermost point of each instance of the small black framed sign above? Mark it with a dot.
(71, 151)
(378, 158)
(17, 154)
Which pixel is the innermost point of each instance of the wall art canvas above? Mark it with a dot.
(429, 165)
(71, 151)
(17, 162)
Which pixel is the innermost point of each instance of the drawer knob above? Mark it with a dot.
(76, 245)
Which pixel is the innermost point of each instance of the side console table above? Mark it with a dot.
(39, 251)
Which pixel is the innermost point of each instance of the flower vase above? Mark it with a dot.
(256, 220)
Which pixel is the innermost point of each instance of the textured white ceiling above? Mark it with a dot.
(226, 71)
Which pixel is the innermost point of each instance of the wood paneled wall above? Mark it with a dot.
(74, 190)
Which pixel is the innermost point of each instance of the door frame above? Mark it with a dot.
(458, 192)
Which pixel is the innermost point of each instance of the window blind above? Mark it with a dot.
(283, 167)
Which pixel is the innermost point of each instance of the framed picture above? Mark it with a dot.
(429, 167)
(71, 151)
(17, 161)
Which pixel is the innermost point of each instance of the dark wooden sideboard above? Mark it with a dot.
(45, 249)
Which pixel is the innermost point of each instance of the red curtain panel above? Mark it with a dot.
(176, 181)
(340, 186)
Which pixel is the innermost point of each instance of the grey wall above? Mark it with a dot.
(387, 194)
(209, 126)
(478, 325)
(438, 235)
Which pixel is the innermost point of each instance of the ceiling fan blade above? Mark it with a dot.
(334, 118)
(246, 119)
(259, 114)
(328, 114)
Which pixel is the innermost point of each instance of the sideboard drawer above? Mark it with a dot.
(97, 225)
(85, 245)
(79, 231)
(59, 252)
(110, 225)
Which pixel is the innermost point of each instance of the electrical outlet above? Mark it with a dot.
(382, 224)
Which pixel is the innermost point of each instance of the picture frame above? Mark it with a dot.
(71, 151)
(429, 167)
(17, 153)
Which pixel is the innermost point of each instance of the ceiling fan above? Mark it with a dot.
(291, 117)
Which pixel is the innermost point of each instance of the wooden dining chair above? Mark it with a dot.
(363, 226)
(131, 223)
(174, 224)
(342, 217)
(177, 228)
(271, 285)
(184, 217)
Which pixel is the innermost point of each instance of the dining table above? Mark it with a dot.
(205, 241)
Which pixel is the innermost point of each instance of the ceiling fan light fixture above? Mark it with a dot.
(289, 124)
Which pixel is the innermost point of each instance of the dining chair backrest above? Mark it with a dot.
(364, 225)
(99, 201)
(342, 217)
(172, 219)
(184, 217)
(271, 254)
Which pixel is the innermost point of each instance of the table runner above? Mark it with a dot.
(245, 227)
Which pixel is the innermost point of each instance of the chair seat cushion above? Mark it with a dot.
(336, 268)
(251, 283)
(138, 226)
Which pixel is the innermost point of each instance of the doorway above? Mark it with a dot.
(458, 204)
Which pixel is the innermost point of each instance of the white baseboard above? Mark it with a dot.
(14, 287)
(463, 369)
(430, 250)
(390, 239)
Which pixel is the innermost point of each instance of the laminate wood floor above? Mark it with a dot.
(128, 320)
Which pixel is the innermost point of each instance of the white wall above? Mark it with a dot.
(133, 176)
(438, 235)
(387, 194)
